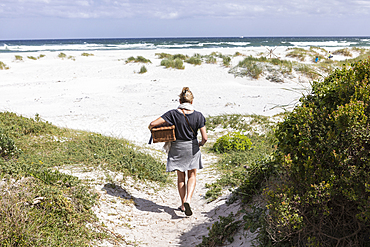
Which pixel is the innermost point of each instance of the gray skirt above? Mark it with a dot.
(184, 156)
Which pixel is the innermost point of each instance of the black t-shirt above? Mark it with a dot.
(182, 130)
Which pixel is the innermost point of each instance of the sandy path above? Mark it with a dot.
(146, 215)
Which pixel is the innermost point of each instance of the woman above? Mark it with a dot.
(184, 154)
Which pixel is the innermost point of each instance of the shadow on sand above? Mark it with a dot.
(140, 203)
(195, 235)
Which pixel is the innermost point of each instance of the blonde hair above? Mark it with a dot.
(186, 96)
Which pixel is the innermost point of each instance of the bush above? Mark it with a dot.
(232, 142)
(7, 145)
(322, 195)
(143, 70)
(31, 57)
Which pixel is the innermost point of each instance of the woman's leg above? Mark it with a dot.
(192, 180)
(181, 187)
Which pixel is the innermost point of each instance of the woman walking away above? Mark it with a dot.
(184, 154)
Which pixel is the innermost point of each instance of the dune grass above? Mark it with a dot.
(49, 208)
(3, 66)
(173, 63)
(138, 59)
(345, 52)
(62, 55)
(85, 54)
(18, 58)
(143, 70)
(170, 56)
(32, 57)
(195, 60)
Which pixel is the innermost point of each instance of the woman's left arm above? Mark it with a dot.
(203, 132)
(156, 122)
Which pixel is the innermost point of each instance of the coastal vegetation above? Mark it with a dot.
(173, 63)
(85, 54)
(312, 188)
(41, 206)
(196, 59)
(3, 66)
(63, 56)
(18, 58)
(32, 57)
(138, 59)
(143, 70)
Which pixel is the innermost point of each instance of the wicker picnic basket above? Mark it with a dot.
(163, 134)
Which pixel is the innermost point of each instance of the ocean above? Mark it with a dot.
(176, 43)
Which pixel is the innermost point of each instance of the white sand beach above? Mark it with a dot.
(103, 94)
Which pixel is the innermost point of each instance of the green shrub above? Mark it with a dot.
(130, 59)
(226, 61)
(3, 66)
(7, 145)
(31, 57)
(180, 56)
(211, 59)
(164, 55)
(141, 59)
(18, 58)
(85, 54)
(179, 64)
(234, 141)
(138, 59)
(321, 196)
(62, 55)
(195, 60)
(221, 231)
(143, 70)
(168, 63)
(40, 56)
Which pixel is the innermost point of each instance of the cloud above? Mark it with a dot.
(176, 9)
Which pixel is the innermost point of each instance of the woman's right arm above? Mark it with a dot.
(156, 122)
(203, 132)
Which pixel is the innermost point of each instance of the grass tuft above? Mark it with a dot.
(143, 70)
(138, 59)
(85, 54)
(18, 58)
(3, 66)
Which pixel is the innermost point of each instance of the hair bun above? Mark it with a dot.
(186, 95)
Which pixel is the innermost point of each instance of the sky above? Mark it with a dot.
(54, 19)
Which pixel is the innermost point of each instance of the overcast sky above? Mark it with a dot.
(40, 19)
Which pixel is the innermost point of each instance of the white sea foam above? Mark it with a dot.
(323, 43)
